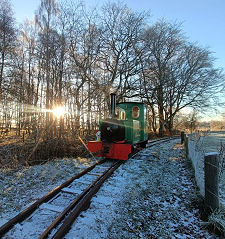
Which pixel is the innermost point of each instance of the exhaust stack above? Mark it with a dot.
(113, 105)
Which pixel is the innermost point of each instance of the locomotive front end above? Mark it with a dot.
(112, 137)
(112, 130)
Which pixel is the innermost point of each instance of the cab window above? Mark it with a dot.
(135, 112)
(122, 115)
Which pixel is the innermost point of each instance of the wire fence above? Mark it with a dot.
(209, 169)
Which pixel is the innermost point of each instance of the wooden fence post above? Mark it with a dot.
(211, 163)
(182, 137)
(186, 145)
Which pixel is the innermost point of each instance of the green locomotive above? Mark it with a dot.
(125, 129)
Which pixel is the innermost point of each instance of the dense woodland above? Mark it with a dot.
(72, 56)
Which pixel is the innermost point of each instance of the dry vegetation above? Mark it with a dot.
(26, 150)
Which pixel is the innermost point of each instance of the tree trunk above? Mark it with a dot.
(160, 111)
(1, 73)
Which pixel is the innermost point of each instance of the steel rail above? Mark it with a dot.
(158, 141)
(74, 203)
(82, 205)
(29, 210)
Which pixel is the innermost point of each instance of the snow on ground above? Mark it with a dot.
(26, 185)
(152, 195)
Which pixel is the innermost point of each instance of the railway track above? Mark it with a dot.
(76, 193)
(160, 140)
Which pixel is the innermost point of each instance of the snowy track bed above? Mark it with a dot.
(150, 196)
(21, 187)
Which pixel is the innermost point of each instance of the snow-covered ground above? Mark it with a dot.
(21, 187)
(152, 195)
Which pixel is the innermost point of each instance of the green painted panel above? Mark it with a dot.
(136, 124)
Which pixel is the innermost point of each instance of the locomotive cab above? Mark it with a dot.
(134, 116)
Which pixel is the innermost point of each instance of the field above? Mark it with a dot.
(212, 142)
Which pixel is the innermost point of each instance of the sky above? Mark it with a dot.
(203, 21)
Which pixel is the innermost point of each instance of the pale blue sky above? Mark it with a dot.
(203, 20)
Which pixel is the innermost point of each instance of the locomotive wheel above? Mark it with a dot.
(143, 144)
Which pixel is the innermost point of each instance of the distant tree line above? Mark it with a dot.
(74, 57)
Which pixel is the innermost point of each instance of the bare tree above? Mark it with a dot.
(176, 74)
(121, 30)
(7, 38)
(216, 125)
(45, 19)
(192, 81)
(162, 42)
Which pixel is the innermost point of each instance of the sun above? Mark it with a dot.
(58, 111)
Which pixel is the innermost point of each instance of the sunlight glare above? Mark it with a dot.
(58, 111)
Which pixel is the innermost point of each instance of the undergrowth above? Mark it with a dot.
(14, 155)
